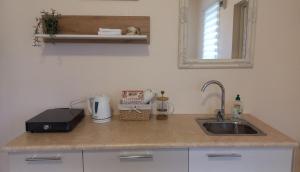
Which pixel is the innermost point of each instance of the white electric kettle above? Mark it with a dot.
(100, 109)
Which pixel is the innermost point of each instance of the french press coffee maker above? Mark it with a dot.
(163, 107)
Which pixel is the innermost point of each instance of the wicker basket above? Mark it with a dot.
(135, 112)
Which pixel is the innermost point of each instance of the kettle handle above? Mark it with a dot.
(90, 102)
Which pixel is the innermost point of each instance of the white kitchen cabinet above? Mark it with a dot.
(46, 162)
(159, 160)
(240, 160)
(166, 160)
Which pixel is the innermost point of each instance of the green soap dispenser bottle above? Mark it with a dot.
(237, 109)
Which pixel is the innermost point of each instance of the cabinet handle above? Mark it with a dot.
(231, 155)
(39, 159)
(136, 157)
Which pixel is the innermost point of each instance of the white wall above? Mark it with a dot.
(33, 79)
(195, 28)
(226, 28)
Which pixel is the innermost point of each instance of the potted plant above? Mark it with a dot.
(47, 23)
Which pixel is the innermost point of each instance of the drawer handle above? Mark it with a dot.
(231, 155)
(136, 157)
(40, 159)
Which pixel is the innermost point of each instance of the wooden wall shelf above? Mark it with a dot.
(84, 29)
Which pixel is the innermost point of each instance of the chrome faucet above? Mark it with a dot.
(221, 112)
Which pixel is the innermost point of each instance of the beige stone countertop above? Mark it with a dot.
(179, 131)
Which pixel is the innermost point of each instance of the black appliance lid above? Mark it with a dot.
(57, 115)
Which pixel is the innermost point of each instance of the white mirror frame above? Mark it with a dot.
(188, 63)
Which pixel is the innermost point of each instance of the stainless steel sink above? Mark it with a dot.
(229, 127)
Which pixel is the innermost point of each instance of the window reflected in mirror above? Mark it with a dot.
(211, 32)
(217, 29)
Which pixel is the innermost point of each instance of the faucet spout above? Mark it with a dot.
(220, 114)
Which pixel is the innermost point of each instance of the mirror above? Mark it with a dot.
(216, 33)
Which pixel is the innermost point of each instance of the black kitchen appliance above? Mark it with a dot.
(55, 120)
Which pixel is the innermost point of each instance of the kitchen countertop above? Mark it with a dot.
(179, 131)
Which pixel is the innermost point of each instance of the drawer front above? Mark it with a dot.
(237, 160)
(46, 162)
(136, 161)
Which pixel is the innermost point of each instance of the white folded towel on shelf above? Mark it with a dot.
(109, 32)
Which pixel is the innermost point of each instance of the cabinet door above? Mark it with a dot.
(237, 160)
(46, 162)
(136, 161)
